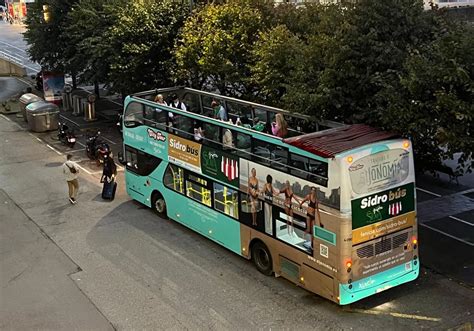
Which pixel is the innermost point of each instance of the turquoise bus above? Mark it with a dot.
(330, 207)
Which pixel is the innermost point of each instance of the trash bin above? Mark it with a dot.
(42, 116)
(25, 100)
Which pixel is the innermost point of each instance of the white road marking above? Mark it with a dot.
(77, 150)
(54, 149)
(460, 220)
(446, 234)
(409, 316)
(109, 140)
(78, 142)
(429, 192)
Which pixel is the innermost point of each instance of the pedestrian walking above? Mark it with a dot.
(71, 172)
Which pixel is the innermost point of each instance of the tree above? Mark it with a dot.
(45, 23)
(214, 49)
(88, 49)
(140, 44)
(277, 53)
(433, 102)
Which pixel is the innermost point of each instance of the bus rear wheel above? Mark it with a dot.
(262, 258)
(158, 204)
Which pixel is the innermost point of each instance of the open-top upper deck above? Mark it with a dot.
(322, 138)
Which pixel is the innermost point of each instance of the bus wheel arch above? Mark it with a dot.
(158, 203)
(261, 257)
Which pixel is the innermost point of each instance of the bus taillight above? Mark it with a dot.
(349, 265)
(414, 241)
(406, 144)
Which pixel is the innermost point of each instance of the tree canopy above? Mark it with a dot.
(385, 63)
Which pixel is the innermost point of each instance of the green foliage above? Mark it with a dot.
(433, 102)
(89, 51)
(46, 45)
(214, 49)
(140, 44)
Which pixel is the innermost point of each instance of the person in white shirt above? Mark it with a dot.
(71, 172)
(176, 103)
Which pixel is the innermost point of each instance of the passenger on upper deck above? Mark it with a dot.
(159, 99)
(219, 111)
(280, 127)
(227, 138)
(176, 103)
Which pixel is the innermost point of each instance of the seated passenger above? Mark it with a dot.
(198, 131)
(176, 103)
(227, 138)
(219, 111)
(280, 127)
(159, 99)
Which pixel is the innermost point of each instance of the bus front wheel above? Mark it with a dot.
(159, 205)
(262, 258)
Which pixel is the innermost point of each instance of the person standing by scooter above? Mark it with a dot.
(71, 172)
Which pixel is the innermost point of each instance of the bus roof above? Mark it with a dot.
(329, 143)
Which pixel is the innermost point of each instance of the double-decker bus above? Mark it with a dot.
(330, 207)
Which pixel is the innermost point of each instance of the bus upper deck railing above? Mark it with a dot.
(251, 114)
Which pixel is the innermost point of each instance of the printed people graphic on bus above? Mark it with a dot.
(252, 191)
(289, 196)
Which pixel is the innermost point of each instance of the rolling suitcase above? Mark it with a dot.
(108, 191)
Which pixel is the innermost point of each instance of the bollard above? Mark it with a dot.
(76, 105)
(89, 113)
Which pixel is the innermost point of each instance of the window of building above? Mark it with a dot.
(226, 200)
(174, 178)
(198, 189)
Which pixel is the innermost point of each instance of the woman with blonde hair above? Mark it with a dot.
(280, 127)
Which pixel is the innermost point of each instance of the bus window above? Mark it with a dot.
(192, 102)
(183, 126)
(133, 115)
(155, 117)
(140, 162)
(270, 154)
(206, 106)
(261, 119)
(174, 178)
(312, 170)
(225, 200)
(198, 189)
(243, 143)
(211, 133)
(236, 110)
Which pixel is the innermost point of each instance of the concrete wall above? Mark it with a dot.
(11, 69)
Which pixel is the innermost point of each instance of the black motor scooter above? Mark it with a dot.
(96, 148)
(66, 135)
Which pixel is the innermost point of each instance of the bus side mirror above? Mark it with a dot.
(121, 158)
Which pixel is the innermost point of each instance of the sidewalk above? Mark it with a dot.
(36, 290)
